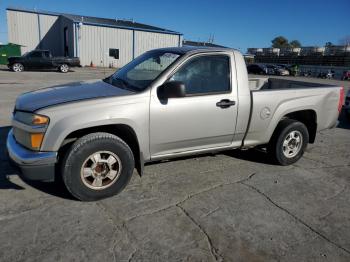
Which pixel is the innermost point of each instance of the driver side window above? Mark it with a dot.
(205, 74)
(35, 54)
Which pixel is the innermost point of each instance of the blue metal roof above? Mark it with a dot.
(97, 21)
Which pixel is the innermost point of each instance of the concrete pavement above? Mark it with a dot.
(232, 206)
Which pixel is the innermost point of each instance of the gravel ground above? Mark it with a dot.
(232, 206)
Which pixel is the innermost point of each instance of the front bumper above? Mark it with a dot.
(34, 165)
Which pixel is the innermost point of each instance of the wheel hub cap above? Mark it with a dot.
(292, 144)
(101, 170)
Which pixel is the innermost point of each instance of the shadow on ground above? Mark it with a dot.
(344, 120)
(7, 170)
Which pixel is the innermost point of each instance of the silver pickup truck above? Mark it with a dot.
(166, 103)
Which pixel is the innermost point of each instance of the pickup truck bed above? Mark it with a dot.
(285, 97)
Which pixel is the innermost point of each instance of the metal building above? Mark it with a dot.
(101, 41)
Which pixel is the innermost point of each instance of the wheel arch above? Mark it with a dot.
(123, 131)
(307, 116)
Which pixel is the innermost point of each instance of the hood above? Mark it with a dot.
(56, 95)
(13, 57)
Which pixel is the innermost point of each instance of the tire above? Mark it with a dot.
(17, 67)
(284, 152)
(79, 170)
(64, 68)
(348, 114)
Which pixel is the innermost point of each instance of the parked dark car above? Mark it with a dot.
(326, 75)
(256, 69)
(346, 75)
(43, 60)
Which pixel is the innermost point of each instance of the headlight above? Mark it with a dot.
(31, 119)
(32, 134)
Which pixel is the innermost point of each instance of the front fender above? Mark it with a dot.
(65, 119)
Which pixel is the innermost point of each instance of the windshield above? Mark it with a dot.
(141, 72)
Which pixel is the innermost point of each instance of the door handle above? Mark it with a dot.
(225, 103)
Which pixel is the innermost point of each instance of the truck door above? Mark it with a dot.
(33, 60)
(205, 117)
(46, 61)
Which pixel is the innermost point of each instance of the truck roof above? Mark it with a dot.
(195, 49)
(41, 50)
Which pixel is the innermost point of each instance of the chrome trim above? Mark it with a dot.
(23, 156)
(29, 128)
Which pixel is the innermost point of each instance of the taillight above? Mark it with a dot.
(341, 99)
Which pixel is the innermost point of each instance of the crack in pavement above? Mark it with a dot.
(296, 218)
(131, 256)
(114, 225)
(213, 250)
(117, 228)
(189, 197)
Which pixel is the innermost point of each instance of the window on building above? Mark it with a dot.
(113, 52)
(205, 74)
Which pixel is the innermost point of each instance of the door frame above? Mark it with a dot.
(167, 74)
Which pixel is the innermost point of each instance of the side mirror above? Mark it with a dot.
(172, 89)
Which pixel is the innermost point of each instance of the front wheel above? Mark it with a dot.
(288, 142)
(98, 165)
(64, 68)
(17, 67)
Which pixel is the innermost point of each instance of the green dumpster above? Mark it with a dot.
(7, 51)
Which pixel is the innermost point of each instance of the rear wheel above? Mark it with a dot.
(64, 68)
(98, 165)
(17, 67)
(288, 142)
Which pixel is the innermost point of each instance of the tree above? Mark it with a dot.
(295, 43)
(329, 44)
(280, 42)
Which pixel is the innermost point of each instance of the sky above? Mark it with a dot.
(237, 24)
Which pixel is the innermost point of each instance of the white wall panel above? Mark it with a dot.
(23, 29)
(95, 41)
(145, 41)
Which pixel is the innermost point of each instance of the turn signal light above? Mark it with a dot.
(36, 140)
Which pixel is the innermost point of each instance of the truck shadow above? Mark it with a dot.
(251, 155)
(344, 120)
(7, 170)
